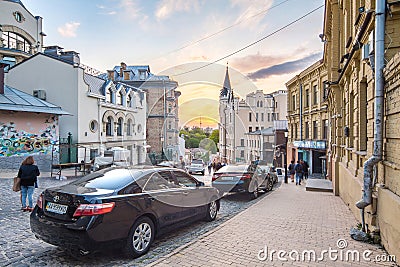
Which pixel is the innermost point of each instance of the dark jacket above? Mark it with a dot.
(28, 174)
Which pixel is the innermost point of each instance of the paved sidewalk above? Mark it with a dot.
(289, 219)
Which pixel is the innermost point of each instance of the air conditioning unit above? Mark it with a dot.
(41, 94)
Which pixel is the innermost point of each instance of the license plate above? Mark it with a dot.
(228, 178)
(56, 208)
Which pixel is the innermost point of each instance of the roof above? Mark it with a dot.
(96, 84)
(16, 100)
(266, 131)
(16, 1)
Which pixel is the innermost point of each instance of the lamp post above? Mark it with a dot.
(285, 154)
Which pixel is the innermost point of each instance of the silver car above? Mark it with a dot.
(196, 166)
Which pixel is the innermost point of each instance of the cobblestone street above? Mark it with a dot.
(19, 247)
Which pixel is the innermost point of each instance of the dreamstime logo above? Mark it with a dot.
(331, 254)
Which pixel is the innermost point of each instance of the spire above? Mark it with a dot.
(226, 89)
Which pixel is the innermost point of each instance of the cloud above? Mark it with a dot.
(69, 29)
(131, 8)
(285, 68)
(249, 17)
(166, 8)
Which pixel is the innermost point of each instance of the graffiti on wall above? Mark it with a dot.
(18, 142)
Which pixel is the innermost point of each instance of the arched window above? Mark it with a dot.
(129, 101)
(261, 103)
(119, 126)
(13, 40)
(110, 96)
(109, 126)
(120, 98)
(129, 127)
(258, 103)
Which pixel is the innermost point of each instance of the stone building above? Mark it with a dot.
(105, 115)
(362, 58)
(308, 120)
(21, 33)
(162, 108)
(247, 126)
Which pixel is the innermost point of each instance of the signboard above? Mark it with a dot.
(310, 144)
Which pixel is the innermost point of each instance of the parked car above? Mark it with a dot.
(120, 207)
(240, 178)
(197, 166)
(270, 172)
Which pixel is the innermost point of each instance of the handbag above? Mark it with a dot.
(17, 184)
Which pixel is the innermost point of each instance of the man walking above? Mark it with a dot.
(305, 169)
(298, 168)
(291, 170)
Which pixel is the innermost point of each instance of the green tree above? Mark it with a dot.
(215, 136)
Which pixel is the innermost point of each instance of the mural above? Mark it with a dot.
(21, 137)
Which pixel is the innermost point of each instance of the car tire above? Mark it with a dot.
(270, 184)
(212, 210)
(140, 237)
(203, 173)
(254, 194)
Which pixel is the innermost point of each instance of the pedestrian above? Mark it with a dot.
(298, 168)
(28, 172)
(210, 166)
(291, 170)
(218, 166)
(305, 169)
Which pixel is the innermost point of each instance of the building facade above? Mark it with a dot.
(363, 62)
(20, 137)
(105, 114)
(21, 32)
(246, 124)
(162, 108)
(308, 119)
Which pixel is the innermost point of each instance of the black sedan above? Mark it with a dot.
(241, 178)
(120, 207)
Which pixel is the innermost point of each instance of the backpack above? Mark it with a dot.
(298, 168)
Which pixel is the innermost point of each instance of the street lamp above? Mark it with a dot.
(285, 154)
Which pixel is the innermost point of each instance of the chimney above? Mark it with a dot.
(71, 57)
(110, 75)
(121, 70)
(2, 72)
(53, 50)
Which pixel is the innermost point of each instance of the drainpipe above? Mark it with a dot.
(379, 92)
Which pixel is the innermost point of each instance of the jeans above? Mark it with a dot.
(27, 191)
(299, 176)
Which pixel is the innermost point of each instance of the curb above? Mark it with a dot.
(179, 249)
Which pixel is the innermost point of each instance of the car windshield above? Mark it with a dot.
(197, 161)
(112, 179)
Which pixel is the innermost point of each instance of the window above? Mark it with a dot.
(307, 99)
(156, 181)
(258, 103)
(93, 125)
(256, 116)
(262, 116)
(184, 180)
(325, 132)
(129, 101)
(250, 116)
(326, 90)
(268, 117)
(109, 126)
(242, 142)
(110, 96)
(307, 130)
(242, 154)
(273, 116)
(121, 98)
(257, 128)
(129, 127)
(315, 92)
(12, 40)
(119, 126)
(293, 102)
(142, 74)
(315, 130)
(261, 104)
(250, 129)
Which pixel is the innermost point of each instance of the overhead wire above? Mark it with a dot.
(251, 44)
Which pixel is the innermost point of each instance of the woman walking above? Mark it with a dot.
(28, 172)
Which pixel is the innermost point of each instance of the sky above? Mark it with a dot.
(186, 39)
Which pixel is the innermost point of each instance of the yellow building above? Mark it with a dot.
(308, 122)
(362, 40)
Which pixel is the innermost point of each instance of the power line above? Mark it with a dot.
(249, 45)
(221, 30)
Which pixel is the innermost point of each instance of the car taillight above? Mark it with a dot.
(215, 177)
(40, 201)
(93, 209)
(245, 176)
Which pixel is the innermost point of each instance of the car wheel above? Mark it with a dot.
(212, 211)
(270, 184)
(140, 237)
(254, 194)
